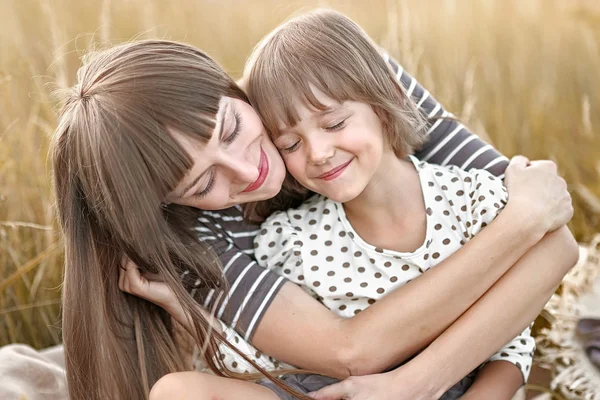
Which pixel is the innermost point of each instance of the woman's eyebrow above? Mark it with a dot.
(222, 122)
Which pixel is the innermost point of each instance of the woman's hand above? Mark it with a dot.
(538, 193)
(394, 385)
(147, 286)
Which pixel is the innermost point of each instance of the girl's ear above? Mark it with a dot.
(384, 117)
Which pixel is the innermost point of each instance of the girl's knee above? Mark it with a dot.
(174, 385)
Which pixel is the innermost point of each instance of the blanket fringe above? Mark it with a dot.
(574, 376)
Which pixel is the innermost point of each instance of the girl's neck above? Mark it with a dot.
(389, 194)
(390, 213)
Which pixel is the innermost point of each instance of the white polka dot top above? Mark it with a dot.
(316, 247)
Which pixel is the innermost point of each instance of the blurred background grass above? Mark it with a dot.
(524, 74)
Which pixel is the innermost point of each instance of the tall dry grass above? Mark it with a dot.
(524, 73)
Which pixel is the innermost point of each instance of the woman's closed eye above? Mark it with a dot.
(228, 140)
(236, 129)
(203, 192)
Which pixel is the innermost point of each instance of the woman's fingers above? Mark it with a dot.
(535, 188)
(337, 391)
(519, 162)
(121, 279)
(137, 284)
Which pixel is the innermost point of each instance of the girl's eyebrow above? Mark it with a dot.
(319, 114)
(330, 110)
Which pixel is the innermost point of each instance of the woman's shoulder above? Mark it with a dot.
(230, 219)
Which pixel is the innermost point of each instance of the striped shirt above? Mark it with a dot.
(253, 288)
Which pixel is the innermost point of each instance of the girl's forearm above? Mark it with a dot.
(397, 326)
(497, 380)
(504, 311)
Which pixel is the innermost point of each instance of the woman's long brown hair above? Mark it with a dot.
(113, 163)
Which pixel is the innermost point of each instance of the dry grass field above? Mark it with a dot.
(523, 73)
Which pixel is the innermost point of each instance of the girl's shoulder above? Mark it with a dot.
(310, 210)
(444, 175)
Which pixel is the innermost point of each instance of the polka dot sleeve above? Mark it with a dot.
(487, 196)
(279, 248)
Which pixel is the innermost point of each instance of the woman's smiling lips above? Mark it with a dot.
(334, 173)
(263, 172)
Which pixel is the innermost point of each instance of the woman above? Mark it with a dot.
(155, 131)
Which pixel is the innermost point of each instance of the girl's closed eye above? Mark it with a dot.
(337, 126)
(291, 147)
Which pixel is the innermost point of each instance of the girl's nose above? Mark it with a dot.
(320, 151)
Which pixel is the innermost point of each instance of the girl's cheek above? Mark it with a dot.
(294, 164)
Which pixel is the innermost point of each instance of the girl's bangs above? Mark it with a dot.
(281, 88)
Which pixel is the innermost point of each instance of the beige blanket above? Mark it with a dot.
(28, 374)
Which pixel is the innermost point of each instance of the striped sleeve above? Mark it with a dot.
(449, 142)
(252, 288)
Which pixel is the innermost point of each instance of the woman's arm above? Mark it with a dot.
(449, 142)
(299, 330)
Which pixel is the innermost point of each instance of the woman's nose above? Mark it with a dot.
(242, 170)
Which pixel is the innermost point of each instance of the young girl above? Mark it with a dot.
(380, 218)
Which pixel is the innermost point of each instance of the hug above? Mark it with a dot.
(323, 229)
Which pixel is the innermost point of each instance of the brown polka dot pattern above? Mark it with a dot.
(348, 274)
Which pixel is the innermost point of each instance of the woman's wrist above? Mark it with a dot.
(523, 224)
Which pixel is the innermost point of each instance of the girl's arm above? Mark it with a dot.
(518, 309)
(498, 380)
(398, 326)
(510, 305)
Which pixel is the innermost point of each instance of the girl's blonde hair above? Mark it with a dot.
(114, 162)
(327, 51)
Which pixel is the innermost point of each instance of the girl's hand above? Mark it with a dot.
(147, 286)
(394, 385)
(538, 193)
